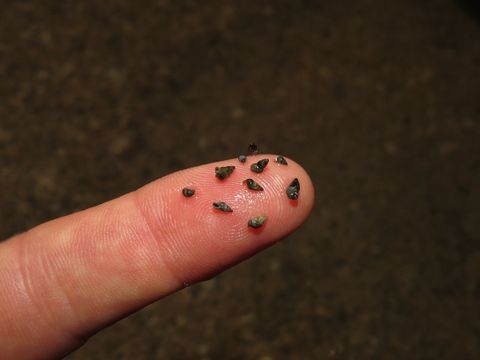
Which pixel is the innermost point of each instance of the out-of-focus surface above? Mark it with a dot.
(380, 101)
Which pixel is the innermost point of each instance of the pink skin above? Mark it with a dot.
(66, 279)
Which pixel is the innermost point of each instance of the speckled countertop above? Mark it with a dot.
(378, 100)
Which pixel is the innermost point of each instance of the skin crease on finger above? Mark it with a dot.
(69, 277)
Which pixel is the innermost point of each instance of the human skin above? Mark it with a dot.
(64, 280)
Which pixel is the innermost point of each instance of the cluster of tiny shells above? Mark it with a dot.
(224, 172)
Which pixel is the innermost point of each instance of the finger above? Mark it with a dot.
(65, 279)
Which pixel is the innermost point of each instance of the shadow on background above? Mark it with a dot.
(472, 7)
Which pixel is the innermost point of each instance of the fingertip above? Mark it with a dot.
(205, 240)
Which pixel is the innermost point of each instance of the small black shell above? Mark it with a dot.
(281, 160)
(293, 189)
(188, 192)
(257, 221)
(259, 166)
(252, 185)
(253, 149)
(224, 171)
(220, 205)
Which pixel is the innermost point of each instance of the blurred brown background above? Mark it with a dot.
(379, 100)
